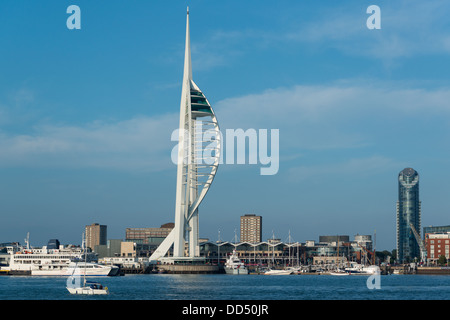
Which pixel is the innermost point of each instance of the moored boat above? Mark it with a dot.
(362, 269)
(278, 272)
(89, 288)
(339, 272)
(235, 266)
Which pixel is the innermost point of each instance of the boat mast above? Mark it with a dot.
(337, 251)
(218, 249)
(289, 247)
(85, 258)
(273, 248)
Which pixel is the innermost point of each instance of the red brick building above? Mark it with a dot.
(437, 244)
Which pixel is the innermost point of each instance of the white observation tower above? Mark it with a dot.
(198, 159)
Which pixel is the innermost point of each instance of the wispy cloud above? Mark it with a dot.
(139, 144)
(333, 116)
(407, 28)
(353, 115)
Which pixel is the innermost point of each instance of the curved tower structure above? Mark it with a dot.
(408, 213)
(198, 159)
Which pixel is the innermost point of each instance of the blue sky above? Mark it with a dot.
(86, 115)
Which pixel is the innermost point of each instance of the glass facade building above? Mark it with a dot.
(408, 213)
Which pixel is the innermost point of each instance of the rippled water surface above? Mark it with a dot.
(230, 287)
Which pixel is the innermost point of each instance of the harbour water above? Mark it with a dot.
(230, 287)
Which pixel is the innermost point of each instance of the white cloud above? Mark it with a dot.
(346, 115)
(333, 116)
(141, 143)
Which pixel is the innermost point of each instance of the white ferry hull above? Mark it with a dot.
(66, 270)
(91, 270)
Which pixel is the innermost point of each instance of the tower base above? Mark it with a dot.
(186, 265)
(182, 260)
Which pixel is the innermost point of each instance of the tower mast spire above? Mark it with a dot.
(197, 163)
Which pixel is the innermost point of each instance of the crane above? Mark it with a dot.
(367, 252)
(423, 249)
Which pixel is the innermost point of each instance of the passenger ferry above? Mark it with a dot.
(64, 261)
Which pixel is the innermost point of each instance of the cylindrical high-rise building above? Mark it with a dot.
(408, 213)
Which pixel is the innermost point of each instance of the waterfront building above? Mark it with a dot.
(437, 244)
(151, 236)
(408, 214)
(96, 234)
(364, 240)
(198, 159)
(276, 252)
(251, 228)
(120, 248)
(128, 249)
(110, 249)
(334, 239)
(330, 260)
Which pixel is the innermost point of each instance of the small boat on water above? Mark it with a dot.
(89, 288)
(363, 270)
(74, 285)
(235, 266)
(275, 272)
(339, 272)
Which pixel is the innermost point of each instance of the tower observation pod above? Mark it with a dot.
(198, 159)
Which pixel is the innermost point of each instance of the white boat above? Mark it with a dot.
(371, 270)
(80, 269)
(361, 269)
(275, 272)
(235, 266)
(88, 288)
(339, 272)
(295, 269)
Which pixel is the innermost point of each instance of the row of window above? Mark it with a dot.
(41, 257)
(447, 241)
